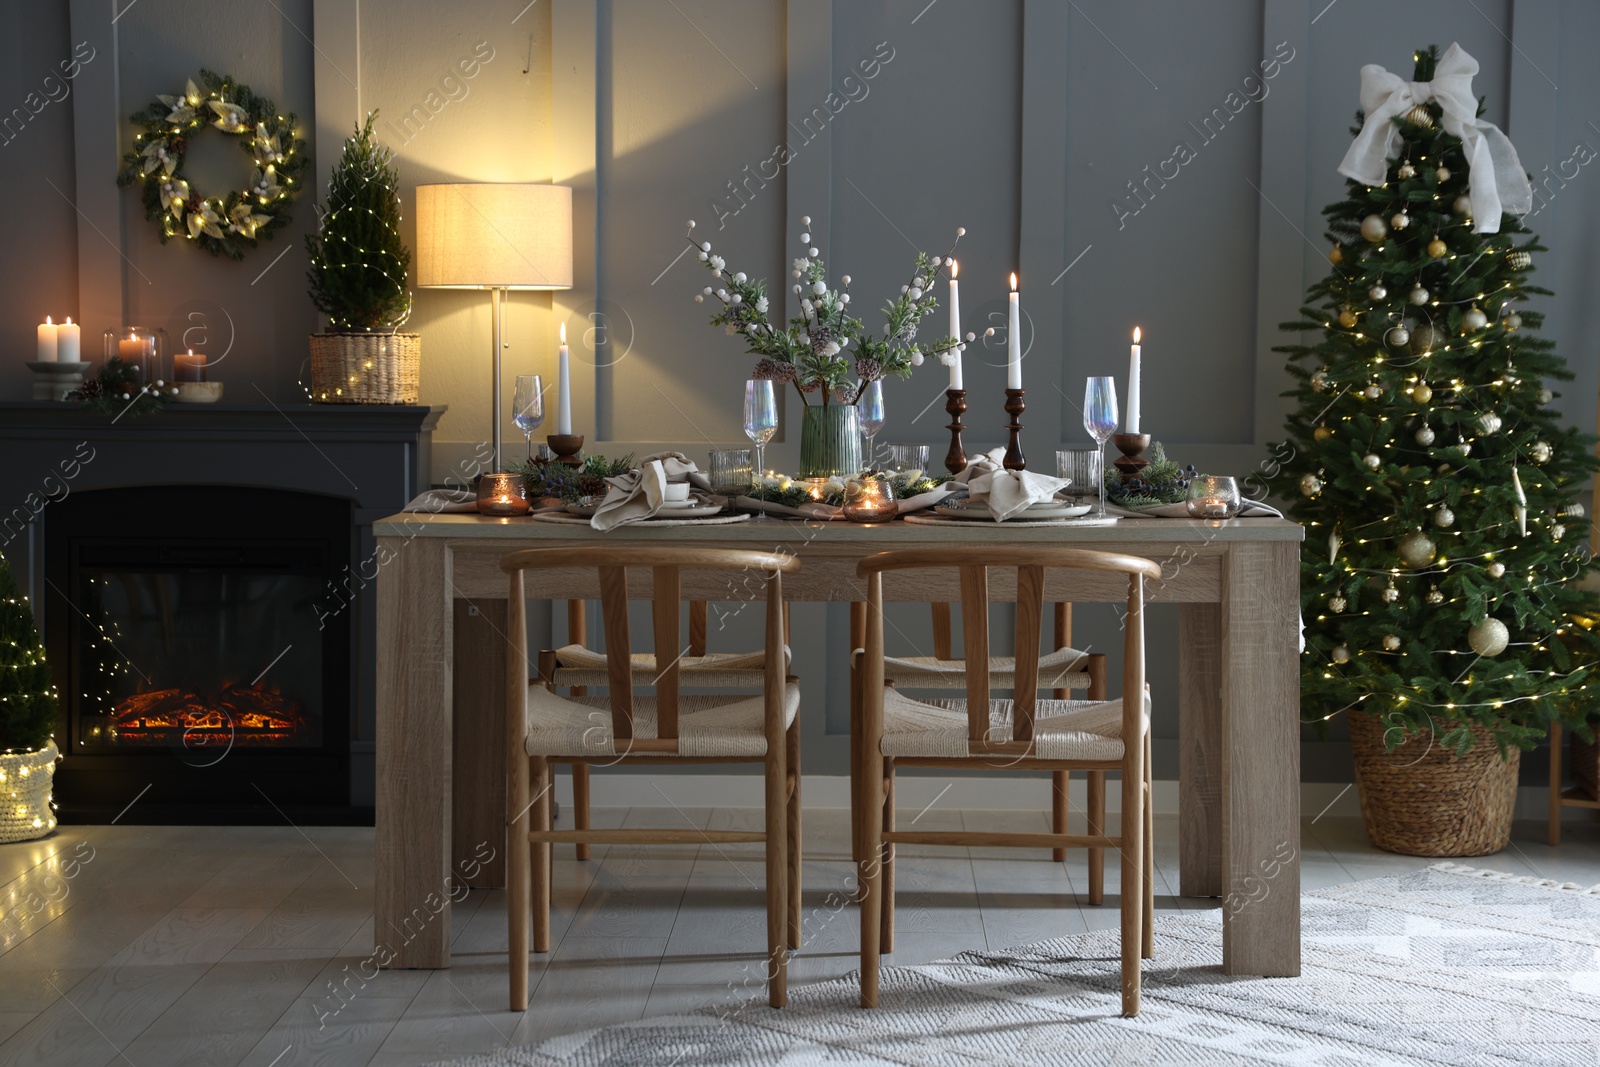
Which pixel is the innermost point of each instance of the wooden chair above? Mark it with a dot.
(1062, 670)
(578, 667)
(1023, 733)
(667, 728)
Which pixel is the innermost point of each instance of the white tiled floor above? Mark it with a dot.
(180, 945)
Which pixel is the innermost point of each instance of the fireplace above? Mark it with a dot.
(202, 664)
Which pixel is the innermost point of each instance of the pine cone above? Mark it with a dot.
(91, 389)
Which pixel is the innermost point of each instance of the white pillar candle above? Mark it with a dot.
(1133, 384)
(69, 342)
(47, 340)
(563, 387)
(1014, 340)
(955, 329)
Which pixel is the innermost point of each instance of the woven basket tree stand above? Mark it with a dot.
(366, 368)
(1424, 800)
(25, 779)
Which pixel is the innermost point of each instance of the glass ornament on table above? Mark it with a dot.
(527, 407)
(760, 423)
(1100, 420)
(869, 410)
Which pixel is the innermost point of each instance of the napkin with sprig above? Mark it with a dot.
(638, 494)
(1005, 492)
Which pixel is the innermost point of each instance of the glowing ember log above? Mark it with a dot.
(239, 715)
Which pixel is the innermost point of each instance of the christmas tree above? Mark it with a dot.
(358, 262)
(1439, 492)
(27, 699)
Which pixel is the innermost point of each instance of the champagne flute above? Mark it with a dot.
(1100, 419)
(760, 423)
(869, 410)
(527, 407)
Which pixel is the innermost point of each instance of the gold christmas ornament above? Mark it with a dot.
(1422, 392)
(1348, 318)
(1406, 171)
(1373, 228)
(1337, 604)
(1336, 256)
(1372, 392)
(1415, 549)
(1513, 322)
(1341, 653)
(1391, 642)
(1489, 638)
(1519, 260)
(1545, 396)
(1488, 422)
(1321, 433)
(1425, 338)
(1435, 597)
(1310, 485)
(1437, 248)
(1462, 205)
(1319, 381)
(1443, 174)
(1421, 118)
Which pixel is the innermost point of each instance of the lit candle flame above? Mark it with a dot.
(955, 268)
(67, 323)
(1136, 335)
(1013, 281)
(48, 321)
(563, 333)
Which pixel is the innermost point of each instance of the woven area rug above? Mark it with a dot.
(1443, 966)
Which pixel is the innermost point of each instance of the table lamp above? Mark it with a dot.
(496, 237)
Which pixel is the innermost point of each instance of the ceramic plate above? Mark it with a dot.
(695, 509)
(1049, 509)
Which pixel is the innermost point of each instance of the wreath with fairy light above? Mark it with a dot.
(231, 223)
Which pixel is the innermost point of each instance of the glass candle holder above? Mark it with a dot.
(731, 471)
(904, 459)
(502, 495)
(1082, 467)
(141, 348)
(869, 498)
(817, 487)
(1214, 497)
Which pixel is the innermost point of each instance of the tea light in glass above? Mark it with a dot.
(502, 495)
(1213, 497)
(869, 498)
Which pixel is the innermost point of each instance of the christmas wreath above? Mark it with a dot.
(231, 223)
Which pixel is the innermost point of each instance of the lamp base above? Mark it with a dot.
(568, 448)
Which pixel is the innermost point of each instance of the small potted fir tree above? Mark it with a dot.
(358, 279)
(27, 717)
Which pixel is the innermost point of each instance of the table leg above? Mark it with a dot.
(1261, 759)
(414, 633)
(858, 638)
(478, 735)
(1200, 750)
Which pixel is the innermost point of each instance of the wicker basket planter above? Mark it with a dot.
(1424, 800)
(25, 779)
(366, 368)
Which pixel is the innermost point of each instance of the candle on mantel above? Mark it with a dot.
(69, 342)
(47, 340)
(1133, 384)
(188, 367)
(955, 329)
(563, 387)
(1014, 339)
(133, 351)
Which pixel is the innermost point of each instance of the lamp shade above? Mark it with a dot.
(486, 235)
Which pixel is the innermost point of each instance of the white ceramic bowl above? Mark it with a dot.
(677, 491)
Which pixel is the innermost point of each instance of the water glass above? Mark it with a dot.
(730, 471)
(1082, 467)
(903, 458)
(527, 407)
(869, 409)
(1214, 497)
(1100, 419)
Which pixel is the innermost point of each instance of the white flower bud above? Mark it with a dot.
(805, 238)
(971, 336)
(961, 231)
(704, 256)
(914, 293)
(916, 359)
(905, 288)
(707, 290)
(819, 287)
(705, 246)
(737, 299)
(845, 279)
(716, 272)
(844, 298)
(814, 253)
(691, 224)
(805, 220)
(797, 288)
(805, 305)
(699, 298)
(740, 277)
(794, 273)
(937, 260)
(722, 294)
(989, 332)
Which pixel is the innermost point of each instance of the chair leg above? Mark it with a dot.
(580, 805)
(777, 825)
(539, 861)
(1060, 782)
(869, 823)
(793, 741)
(886, 934)
(1148, 946)
(858, 638)
(1097, 825)
(1132, 889)
(518, 902)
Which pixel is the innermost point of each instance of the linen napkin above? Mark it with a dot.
(819, 510)
(1005, 492)
(638, 494)
(1249, 509)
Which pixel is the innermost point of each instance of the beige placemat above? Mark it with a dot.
(579, 520)
(940, 520)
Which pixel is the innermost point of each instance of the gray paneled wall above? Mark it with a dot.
(1151, 162)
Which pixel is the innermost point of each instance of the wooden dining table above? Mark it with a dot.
(440, 810)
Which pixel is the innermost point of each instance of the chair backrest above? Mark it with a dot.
(1030, 563)
(666, 565)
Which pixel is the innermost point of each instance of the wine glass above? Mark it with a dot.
(869, 409)
(527, 407)
(1100, 419)
(760, 421)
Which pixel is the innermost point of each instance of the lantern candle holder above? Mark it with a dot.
(141, 348)
(503, 495)
(1213, 497)
(869, 498)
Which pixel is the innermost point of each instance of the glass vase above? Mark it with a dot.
(830, 441)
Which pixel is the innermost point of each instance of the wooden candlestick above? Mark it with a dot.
(567, 447)
(955, 460)
(1015, 461)
(1132, 447)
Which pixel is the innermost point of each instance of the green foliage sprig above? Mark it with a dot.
(555, 479)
